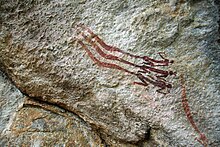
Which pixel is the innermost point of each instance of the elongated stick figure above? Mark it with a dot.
(142, 71)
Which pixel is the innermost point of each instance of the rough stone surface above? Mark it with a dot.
(27, 122)
(37, 55)
(10, 101)
(42, 125)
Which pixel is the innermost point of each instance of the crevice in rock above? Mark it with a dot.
(103, 137)
(42, 105)
(38, 102)
(58, 105)
(103, 141)
(44, 108)
(62, 106)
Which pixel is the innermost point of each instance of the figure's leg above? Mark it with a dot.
(142, 78)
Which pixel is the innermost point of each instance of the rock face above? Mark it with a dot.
(35, 124)
(55, 94)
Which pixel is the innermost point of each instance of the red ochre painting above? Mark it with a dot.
(149, 72)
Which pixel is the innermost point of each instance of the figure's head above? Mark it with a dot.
(172, 73)
(171, 61)
(169, 86)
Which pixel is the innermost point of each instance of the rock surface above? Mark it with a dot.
(66, 99)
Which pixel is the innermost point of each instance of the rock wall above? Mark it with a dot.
(53, 92)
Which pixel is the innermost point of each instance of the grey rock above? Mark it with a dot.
(38, 55)
(10, 101)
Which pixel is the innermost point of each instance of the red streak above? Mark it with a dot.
(203, 139)
(98, 45)
(103, 64)
(150, 61)
(104, 55)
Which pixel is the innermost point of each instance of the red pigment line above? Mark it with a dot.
(150, 61)
(162, 73)
(112, 57)
(99, 45)
(144, 79)
(159, 83)
(103, 64)
(104, 55)
(113, 66)
(164, 62)
(203, 140)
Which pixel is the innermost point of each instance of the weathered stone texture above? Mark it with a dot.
(38, 55)
(26, 122)
(42, 125)
(10, 101)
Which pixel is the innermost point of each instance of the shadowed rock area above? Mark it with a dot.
(53, 94)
